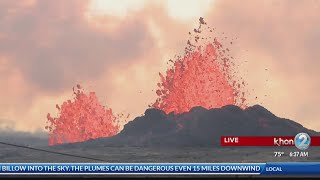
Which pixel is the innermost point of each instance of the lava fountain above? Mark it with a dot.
(203, 77)
(82, 119)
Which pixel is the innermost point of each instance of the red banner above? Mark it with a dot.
(264, 141)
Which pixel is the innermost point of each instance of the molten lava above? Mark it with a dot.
(80, 120)
(203, 77)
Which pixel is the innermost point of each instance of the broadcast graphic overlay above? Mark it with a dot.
(162, 168)
(302, 141)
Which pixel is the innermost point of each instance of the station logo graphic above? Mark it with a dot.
(302, 141)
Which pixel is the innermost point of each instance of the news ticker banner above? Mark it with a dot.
(272, 168)
(302, 141)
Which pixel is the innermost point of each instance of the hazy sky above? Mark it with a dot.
(117, 48)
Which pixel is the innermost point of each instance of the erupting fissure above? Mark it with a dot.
(82, 119)
(204, 77)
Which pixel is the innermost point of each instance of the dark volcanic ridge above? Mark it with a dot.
(198, 127)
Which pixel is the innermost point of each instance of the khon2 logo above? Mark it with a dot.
(302, 141)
